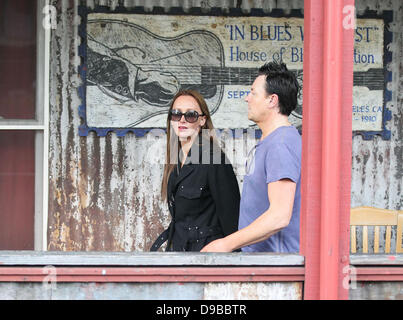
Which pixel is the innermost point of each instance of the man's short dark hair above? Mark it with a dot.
(283, 83)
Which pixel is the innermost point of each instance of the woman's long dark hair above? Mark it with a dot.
(173, 145)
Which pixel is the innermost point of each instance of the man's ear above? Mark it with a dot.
(273, 100)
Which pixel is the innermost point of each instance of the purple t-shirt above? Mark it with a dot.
(276, 157)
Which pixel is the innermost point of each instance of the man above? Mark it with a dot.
(270, 202)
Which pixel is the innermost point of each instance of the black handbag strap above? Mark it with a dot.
(161, 239)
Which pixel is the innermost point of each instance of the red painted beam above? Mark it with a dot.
(311, 145)
(386, 274)
(346, 148)
(326, 141)
(331, 118)
(197, 274)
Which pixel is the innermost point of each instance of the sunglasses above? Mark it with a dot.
(190, 116)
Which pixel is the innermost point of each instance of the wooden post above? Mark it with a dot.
(327, 140)
(311, 145)
(346, 143)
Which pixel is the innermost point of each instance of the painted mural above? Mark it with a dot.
(135, 64)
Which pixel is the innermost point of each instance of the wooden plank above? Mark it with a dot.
(370, 216)
(33, 258)
(353, 239)
(399, 245)
(178, 274)
(379, 274)
(311, 146)
(388, 238)
(376, 259)
(365, 239)
(376, 240)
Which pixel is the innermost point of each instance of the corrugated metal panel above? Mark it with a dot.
(104, 191)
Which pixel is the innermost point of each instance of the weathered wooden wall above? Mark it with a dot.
(377, 169)
(104, 191)
(377, 165)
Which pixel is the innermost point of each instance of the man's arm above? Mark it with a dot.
(281, 196)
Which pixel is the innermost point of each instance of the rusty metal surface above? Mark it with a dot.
(376, 291)
(150, 291)
(104, 191)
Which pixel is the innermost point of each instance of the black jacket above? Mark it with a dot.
(203, 199)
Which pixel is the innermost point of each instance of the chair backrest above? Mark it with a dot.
(399, 237)
(369, 216)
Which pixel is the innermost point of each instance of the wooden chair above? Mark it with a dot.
(368, 216)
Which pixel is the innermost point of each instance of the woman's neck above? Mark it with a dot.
(185, 147)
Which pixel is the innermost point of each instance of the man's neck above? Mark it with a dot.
(273, 123)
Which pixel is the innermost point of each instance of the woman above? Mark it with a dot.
(198, 182)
